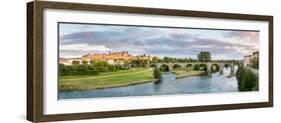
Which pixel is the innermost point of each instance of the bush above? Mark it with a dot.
(247, 80)
(255, 62)
(226, 65)
(111, 68)
(176, 66)
(85, 62)
(157, 73)
(250, 80)
(76, 72)
(74, 62)
(196, 67)
(73, 70)
(164, 68)
(205, 69)
(94, 68)
(239, 76)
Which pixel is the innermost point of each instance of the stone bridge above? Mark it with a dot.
(191, 65)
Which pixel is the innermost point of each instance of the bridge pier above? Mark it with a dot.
(170, 66)
(232, 69)
(221, 68)
(209, 68)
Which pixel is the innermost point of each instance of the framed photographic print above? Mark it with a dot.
(96, 61)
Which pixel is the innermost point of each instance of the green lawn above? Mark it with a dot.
(114, 79)
(106, 80)
(104, 73)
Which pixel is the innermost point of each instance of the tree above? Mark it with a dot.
(111, 67)
(167, 59)
(250, 80)
(176, 66)
(126, 64)
(204, 56)
(247, 80)
(155, 59)
(255, 62)
(139, 62)
(164, 68)
(157, 73)
(74, 62)
(61, 68)
(84, 62)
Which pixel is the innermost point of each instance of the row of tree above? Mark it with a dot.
(88, 69)
(203, 56)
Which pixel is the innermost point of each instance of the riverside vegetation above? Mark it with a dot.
(247, 80)
(100, 74)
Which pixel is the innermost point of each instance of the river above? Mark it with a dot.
(169, 85)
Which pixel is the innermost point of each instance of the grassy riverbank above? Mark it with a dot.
(114, 79)
(106, 80)
(184, 73)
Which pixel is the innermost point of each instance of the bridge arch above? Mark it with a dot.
(189, 65)
(227, 65)
(203, 66)
(176, 66)
(164, 68)
(206, 66)
(215, 67)
(153, 65)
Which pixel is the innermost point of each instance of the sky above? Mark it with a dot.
(76, 40)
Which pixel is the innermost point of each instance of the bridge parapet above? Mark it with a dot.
(207, 64)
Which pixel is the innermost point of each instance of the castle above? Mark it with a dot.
(111, 58)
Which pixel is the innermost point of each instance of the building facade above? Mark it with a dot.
(69, 61)
(248, 58)
(111, 58)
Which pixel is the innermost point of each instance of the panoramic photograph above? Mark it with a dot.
(106, 60)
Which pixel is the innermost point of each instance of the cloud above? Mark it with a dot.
(160, 41)
(244, 35)
(84, 47)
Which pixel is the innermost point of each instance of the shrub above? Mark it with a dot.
(111, 68)
(176, 66)
(164, 68)
(196, 67)
(226, 65)
(255, 62)
(74, 62)
(72, 70)
(247, 80)
(157, 73)
(94, 68)
(205, 69)
(84, 62)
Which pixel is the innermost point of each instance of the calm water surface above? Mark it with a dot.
(169, 85)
